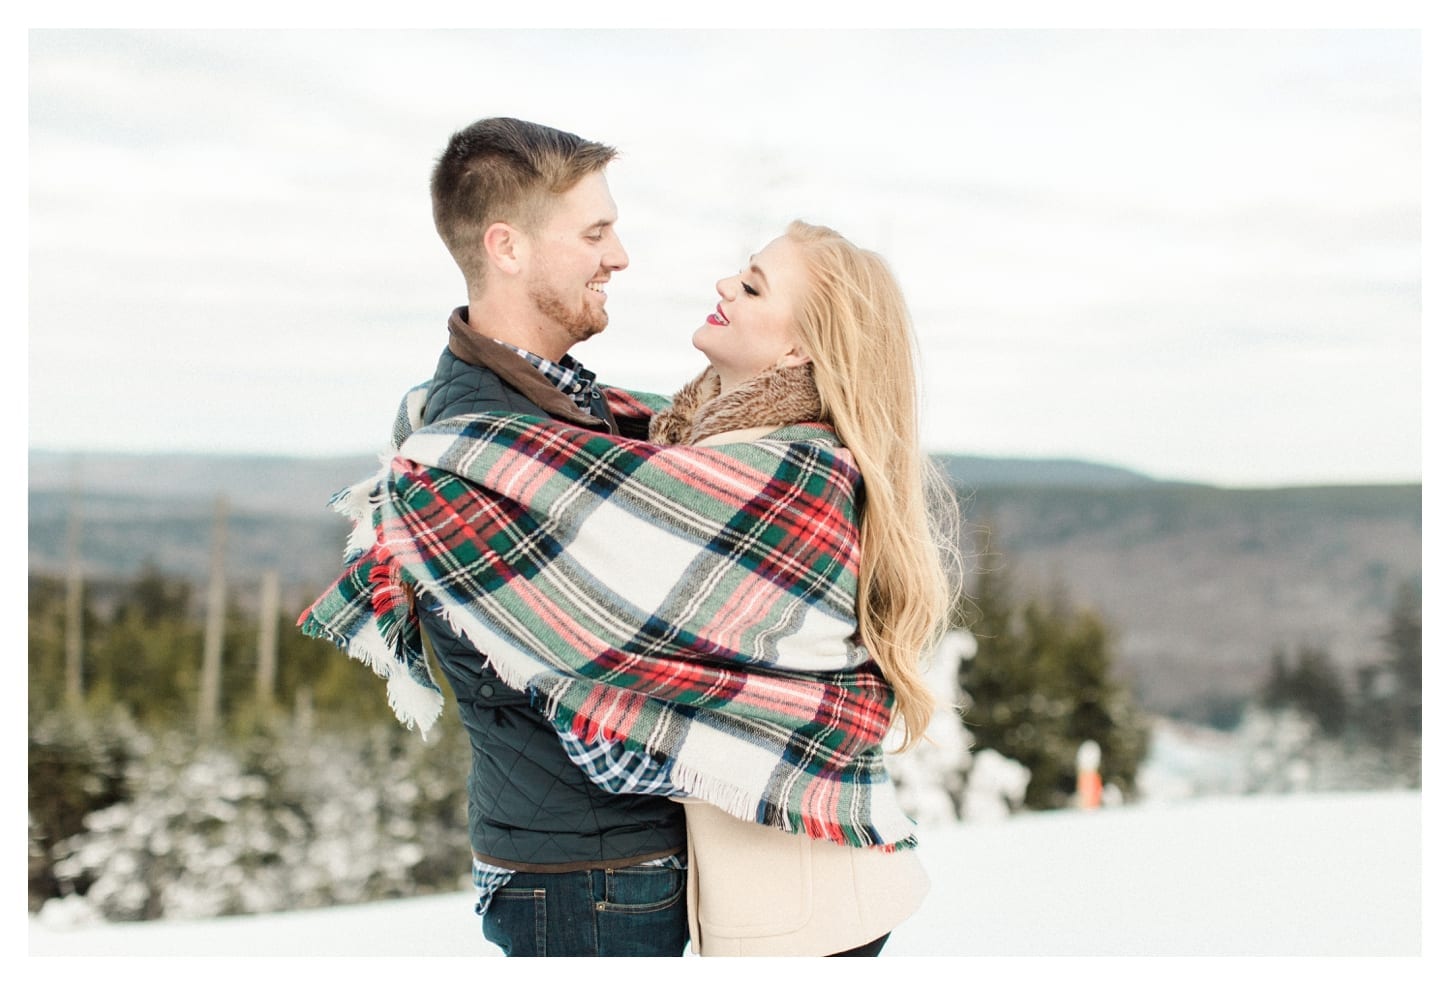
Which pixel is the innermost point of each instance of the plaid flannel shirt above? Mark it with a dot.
(568, 376)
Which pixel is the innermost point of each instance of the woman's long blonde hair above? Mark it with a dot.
(856, 328)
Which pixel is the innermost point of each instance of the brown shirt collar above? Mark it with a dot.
(467, 344)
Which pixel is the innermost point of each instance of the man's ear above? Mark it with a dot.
(506, 247)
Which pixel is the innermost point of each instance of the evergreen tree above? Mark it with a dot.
(1041, 684)
(153, 598)
(143, 652)
(1405, 662)
(46, 652)
(1311, 686)
(1390, 707)
(1318, 690)
(1277, 689)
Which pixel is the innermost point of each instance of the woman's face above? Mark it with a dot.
(753, 326)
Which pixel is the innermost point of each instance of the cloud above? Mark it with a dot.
(222, 220)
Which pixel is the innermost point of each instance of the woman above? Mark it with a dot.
(814, 304)
(734, 612)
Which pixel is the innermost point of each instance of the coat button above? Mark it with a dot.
(485, 691)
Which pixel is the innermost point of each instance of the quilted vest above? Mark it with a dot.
(529, 807)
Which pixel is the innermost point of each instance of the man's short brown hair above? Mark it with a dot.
(504, 170)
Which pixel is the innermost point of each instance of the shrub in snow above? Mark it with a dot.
(1283, 750)
(283, 821)
(76, 765)
(930, 778)
(996, 786)
(942, 780)
(198, 839)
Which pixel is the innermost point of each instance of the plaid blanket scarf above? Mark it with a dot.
(696, 604)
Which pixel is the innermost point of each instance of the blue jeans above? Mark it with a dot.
(634, 912)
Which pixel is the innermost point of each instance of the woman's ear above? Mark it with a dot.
(793, 357)
(505, 247)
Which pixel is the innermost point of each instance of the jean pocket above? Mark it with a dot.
(643, 913)
(642, 889)
(517, 921)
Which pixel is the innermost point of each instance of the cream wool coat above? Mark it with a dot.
(761, 892)
(754, 891)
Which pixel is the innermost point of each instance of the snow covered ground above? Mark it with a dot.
(1305, 875)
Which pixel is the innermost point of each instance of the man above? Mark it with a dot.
(563, 867)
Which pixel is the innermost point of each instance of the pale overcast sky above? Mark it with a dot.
(1191, 253)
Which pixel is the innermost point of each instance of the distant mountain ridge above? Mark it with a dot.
(294, 485)
(273, 483)
(971, 471)
(1199, 584)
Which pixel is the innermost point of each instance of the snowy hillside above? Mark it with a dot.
(1323, 874)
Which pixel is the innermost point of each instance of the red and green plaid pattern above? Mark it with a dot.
(694, 603)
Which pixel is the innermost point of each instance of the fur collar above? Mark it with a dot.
(776, 397)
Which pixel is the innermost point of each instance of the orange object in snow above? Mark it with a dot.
(1089, 780)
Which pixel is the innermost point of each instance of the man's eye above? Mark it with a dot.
(749, 290)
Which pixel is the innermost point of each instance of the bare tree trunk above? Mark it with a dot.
(74, 607)
(209, 699)
(302, 711)
(270, 605)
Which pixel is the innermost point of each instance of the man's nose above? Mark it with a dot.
(617, 258)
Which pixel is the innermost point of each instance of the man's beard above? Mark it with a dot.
(578, 323)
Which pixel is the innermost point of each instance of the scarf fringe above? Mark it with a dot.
(745, 806)
(359, 502)
(414, 703)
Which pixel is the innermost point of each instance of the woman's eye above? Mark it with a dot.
(749, 290)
